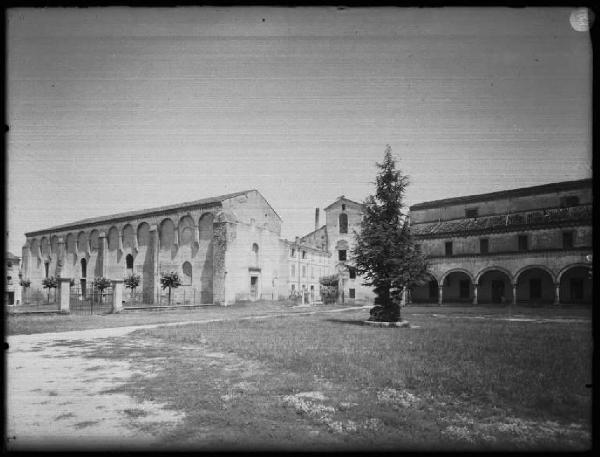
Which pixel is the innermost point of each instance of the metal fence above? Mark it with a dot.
(90, 300)
(184, 295)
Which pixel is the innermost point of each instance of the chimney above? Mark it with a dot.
(316, 218)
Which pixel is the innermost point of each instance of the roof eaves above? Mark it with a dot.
(137, 213)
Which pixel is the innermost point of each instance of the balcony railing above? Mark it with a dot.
(525, 219)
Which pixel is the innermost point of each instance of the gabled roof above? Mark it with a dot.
(143, 212)
(342, 198)
(519, 192)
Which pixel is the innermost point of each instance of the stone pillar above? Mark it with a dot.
(60, 256)
(557, 294)
(196, 234)
(120, 239)
(25, 260)
(404, 296)
(514, 300)
(102, 250)
(219, 263)
(440, 294)
(475, 298)
(117, 303)
(155, 254)
(64, 291)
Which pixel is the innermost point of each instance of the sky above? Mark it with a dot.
(118, 109)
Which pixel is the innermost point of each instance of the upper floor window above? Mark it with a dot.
(304, 254)
(523, 245)
(255, 253)
(484, 245)
(342, 254)
(569, 200)
(292, 252)
(567, 240)
(343, 207)
(129, 262)
(83, 268)
(471, 212)
(9, 264)
(187, 273)
(352, 272)
(47, 268)
(448, 247)
(343, 219)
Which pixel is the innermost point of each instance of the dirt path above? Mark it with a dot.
(57, 398)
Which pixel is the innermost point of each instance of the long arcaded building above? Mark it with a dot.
(528, 245)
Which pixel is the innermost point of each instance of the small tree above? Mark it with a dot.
(101, 283)
(384, 251)
(170, 280)
(329, 288)
(25, 284)
(131, 282)
(49, 283)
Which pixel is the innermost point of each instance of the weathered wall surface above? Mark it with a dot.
(501, 205)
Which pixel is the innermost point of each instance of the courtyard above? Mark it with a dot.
(298, 378)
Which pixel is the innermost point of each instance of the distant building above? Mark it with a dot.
(12, 291)
(532, 244)
(342, 219)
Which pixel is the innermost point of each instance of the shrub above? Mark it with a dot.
(101, 283)
(329, 288)
(49, 283)
(170, 280)
(132, 281)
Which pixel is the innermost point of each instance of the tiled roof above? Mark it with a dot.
(520, 192)
(575, 214)
(142, 212)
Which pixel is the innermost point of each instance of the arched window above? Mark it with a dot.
(129, 261)
(255, 254)
(343, 219)
(187, 273)
(83, 268)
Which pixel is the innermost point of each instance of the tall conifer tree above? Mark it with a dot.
(384, 252)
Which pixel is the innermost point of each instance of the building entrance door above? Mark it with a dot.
(497, 291)
(576, 289)
(253, 287)
(535, 289)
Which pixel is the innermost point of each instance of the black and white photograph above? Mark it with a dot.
(319, 228)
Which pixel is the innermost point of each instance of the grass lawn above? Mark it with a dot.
(19, 324)
(328, 382)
